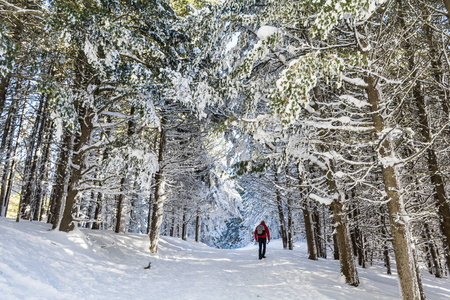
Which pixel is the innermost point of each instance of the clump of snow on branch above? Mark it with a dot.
(266, 31)
(354, 101)
(91, 51)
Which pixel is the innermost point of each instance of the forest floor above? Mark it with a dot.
(37, 263)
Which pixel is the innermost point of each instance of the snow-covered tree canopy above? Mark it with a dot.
(329, 119)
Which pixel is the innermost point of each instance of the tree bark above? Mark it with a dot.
(290, 226)
(160, 198)
(4, 83)
(433, 253)
(121, 207)
(9, 170)
(309, 227)
(123, 202)
(172, 223)
(358, 237)
(29, 185)
(433, 166)
(346, 258)
(98, 217)
(41, 162)
(324, 236)
(410, 282)
(184, 228)
(77, 165)
(447, 6)
(387, 259)
(8, 128)
(336, 253)
(319, 231)
(97, 213)
(197, 228)
(59, 187)
(282, 220)
(149, 214)
(309, 230)
(43, 175)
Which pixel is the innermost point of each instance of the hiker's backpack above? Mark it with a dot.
(260, 230)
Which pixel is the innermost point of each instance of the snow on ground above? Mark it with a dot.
(37, 263)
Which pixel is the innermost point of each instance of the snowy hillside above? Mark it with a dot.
(36, 263)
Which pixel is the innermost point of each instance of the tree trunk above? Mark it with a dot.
(440, 196)
(447, 6)
(184, 228)
(43, 176)
(98, 216)
(336, 253)
(134, 221)
(8, 131)
(410, 282)
(4, 83)
(121, 207)
(9, 170)
(281, 219)
(42, 146)
(160, 198)
(324, 235)
(149, 214)
(67, 221)
(197, 228)
(386, 256)
(317, 229)
(290, 226)
(172, 224)
(309, 230)
(358, 237)
(387, 260)
(433, 253)
(97, 213)
(59, 187)
(158, 212)
(309, 226)
(280, 208)
(29, 184)
(346, 258)
(77, 165)
(8, 164)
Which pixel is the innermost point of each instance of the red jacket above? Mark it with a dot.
(266, 234)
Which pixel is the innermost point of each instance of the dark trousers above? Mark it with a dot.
(262, 246)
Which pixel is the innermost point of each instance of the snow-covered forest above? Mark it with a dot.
(197, 119)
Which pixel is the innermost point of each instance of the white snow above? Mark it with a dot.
(355, 81)
(321, 200)
(91, 51)
(266, 31)
(36, 263)
(352, 100)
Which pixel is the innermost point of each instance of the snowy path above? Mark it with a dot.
(238, 274)
(36, 263)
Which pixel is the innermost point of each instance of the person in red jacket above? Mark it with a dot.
(262, 235)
